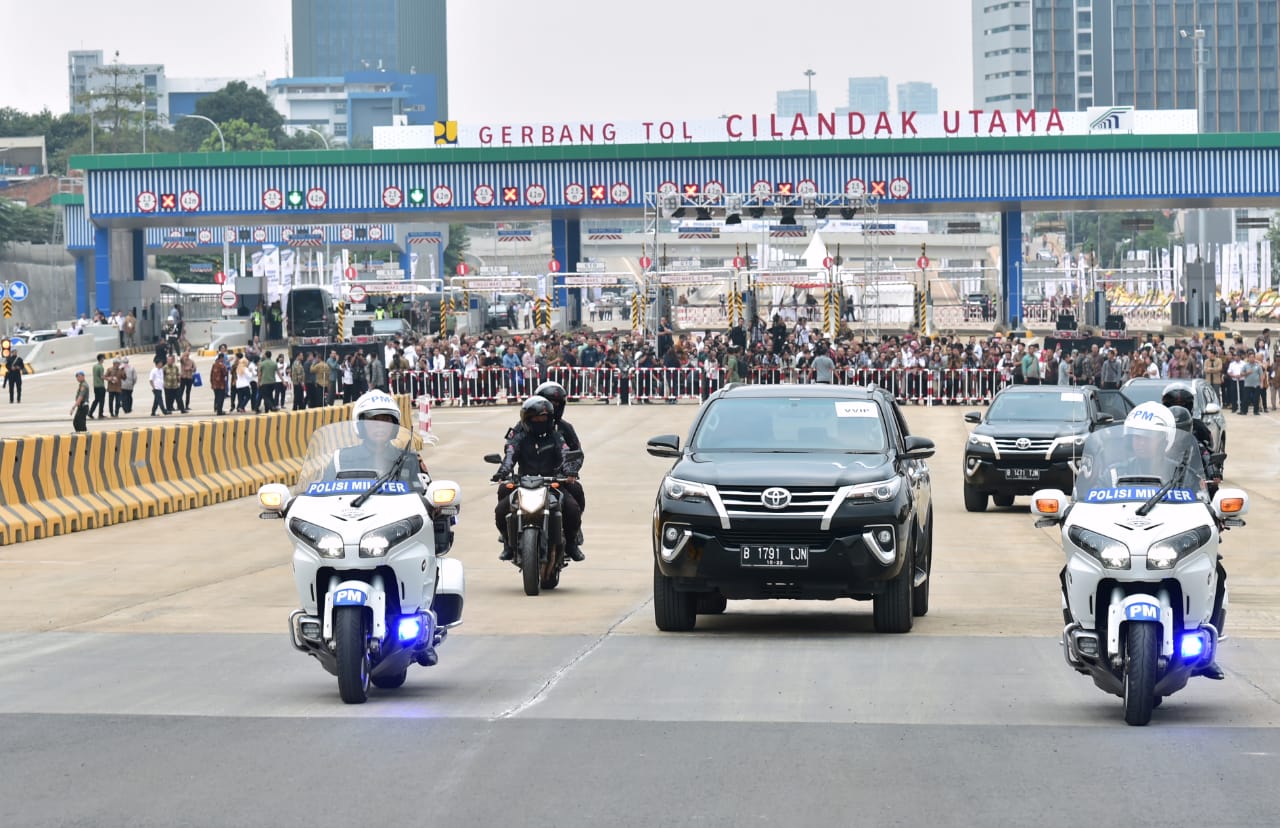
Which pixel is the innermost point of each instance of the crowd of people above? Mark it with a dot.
(629, 367)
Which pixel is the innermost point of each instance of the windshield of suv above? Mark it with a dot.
(1050, 407)
(1121, 464)
(790, 424)
(337, 453)
(1140, 392)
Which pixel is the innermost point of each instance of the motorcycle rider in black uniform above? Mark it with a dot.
(536, 446)
(1180, 394)
(554, 393)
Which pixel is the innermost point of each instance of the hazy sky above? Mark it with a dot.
(535, 60)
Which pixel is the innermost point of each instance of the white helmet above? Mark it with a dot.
(1152, 418)
(374, 404)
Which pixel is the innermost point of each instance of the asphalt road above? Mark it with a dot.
(146, 679)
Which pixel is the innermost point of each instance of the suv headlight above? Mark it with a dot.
(678, 489)
(326, 544)
(983, 441)
(879, 490)
(1164, 554)
(1074, 442)
(1112, 553)
(375, 544)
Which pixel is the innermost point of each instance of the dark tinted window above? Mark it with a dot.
(790, 424)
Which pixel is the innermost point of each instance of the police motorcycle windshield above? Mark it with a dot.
(342, 452)
(1119, 467)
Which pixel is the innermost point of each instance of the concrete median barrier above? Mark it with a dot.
(57, 484)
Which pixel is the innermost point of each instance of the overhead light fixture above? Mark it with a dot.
(821, 212)
(670, 204)
(756, 212)
(703, 214)
(788, 216)
(847, 213)
(679, 213)
(733, 209)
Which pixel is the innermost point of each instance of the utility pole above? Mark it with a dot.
(808, 102)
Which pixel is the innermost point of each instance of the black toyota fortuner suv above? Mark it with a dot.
(793, 491)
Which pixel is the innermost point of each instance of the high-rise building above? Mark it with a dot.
(869, 94)
(1002, 54)
(408, 37)
(80, 64)
(793, 102)
(915, 96)
(1074, 54)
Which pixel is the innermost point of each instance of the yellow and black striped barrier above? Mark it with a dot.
(54, 485)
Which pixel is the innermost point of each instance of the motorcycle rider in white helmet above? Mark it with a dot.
(375, 419)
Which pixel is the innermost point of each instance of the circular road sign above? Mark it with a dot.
(554, 265)
(462, 268)
(828, 262)
(739, 261)
(219, 278)
(645, 262)
(228, 298)
(350, 272)
(357, 293)
(922, 262)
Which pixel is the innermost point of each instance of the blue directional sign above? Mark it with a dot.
(18, 291)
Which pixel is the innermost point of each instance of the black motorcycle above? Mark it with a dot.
(535, 528)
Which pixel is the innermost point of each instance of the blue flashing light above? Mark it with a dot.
(1192, 646)
(411, 627)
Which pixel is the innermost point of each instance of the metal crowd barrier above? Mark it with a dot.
(490, 386)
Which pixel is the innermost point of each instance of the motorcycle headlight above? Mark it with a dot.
(326, 544)
(878, 490)
(677, 489)
(377, 543)
(1164, 554)
(1112, 553)
(532, 500)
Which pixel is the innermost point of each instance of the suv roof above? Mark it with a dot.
(1045, 389)
(819, 391)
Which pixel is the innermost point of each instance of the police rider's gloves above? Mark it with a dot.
(500, 475)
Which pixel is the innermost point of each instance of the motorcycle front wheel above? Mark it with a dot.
(353, 654)
(1142, 649)
(531, 560)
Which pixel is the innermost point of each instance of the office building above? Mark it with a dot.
(869, 94)
(79, 65)
(793, 102)
(915, 96)
(334, 37)
(349, 106)
(1076, 54)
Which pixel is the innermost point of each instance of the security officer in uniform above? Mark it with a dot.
(536, 446)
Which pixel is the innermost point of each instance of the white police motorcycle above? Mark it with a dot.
(369, 533)
(1141, 541)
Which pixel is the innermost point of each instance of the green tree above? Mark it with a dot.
(235, 101)
(240, 136)
(119, 106)
(456, 250)
(25, 224)
(61, 132)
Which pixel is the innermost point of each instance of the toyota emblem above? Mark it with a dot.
(775, 498)
(1023, 443)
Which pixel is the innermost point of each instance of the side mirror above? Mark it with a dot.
(274, 498)
(495, 459)
(665, 445)
(1212, 408)
(1231, 504)
(1049, 506)
(973, 417)
(919, 448)
(1106, 419)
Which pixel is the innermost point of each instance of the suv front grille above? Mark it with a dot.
(774, 536)
(806, 501)
(1033, 446)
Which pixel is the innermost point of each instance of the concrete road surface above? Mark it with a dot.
(146, 679)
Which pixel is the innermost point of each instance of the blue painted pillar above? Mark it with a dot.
(101, 272)
(82, 285)
(138, 244)
(406, 264)
(1011, 266)
(566, 244)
